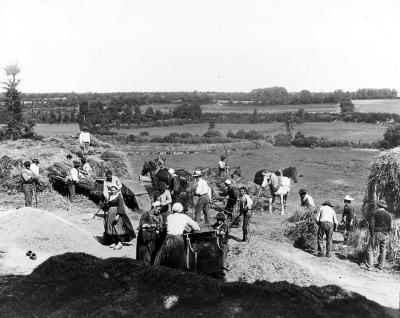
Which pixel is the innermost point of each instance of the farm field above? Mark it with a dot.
(334, 130)
(377, 105)
(49, 130)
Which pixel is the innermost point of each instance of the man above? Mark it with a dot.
(28, 181)
(233, 196)
(348, 216)
(34, 166)
(84, 140)
(73, 179)
(246, 204)
(174, 185)
(222, 167)
(380, 226)
(165, 200)
(86, 168)
(150, 225)
(111, 181)
(223, 233)
(203, 191)
(327, 224)
(306, 201)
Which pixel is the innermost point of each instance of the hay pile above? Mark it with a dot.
(80, 285)
(384, 183)
(302, 228)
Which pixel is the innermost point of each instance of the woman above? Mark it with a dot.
(118, 227)
(173, 252)
(150, 228)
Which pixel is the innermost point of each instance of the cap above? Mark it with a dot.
(381, 203)
(171, 171)
(348, 198)
(196, 173)
(35, 160)
(27, 163)
(177, 207)
(302, 191)
(69, 156)
(220, 216)
(77, 163)
(228, 182)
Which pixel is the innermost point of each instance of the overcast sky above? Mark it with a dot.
(184, 45)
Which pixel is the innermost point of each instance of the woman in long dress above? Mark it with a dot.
(173, 252)
(118, 227)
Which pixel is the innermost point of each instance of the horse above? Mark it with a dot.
(281, 189)
(290, 172)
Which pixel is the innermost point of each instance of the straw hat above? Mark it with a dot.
(381, 203)
(171, 171)
(156, 203)
(196, 173)
(348, 198)
(228, 182)
(177, 207)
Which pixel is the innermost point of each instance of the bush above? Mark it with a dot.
(282, 140)
(392, 135)
(144, 133)
(346, 106)
(249, 135)
(212, 133)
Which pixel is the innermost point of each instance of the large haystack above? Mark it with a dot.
(384, 183)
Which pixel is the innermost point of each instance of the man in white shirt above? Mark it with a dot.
(327, 224)
(178, 221)
(222, 167)
(34, 166)
(73, 179)
(203, 191)
(306, 201)
(84, 140)
(245, 205)
(86, 168)
(165, 200)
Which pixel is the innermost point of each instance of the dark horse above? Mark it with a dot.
(162, 175)
(290, 172)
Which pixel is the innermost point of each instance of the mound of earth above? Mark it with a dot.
(81, 285)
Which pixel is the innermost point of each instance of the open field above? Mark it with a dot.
(334, 130)
(377, 105)
(49, 130)
(223, 108)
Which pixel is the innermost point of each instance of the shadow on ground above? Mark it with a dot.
(77, 284)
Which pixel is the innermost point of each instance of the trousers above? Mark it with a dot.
(381, 239)
(28, 191)
(325, 228)
(203, 204)
(246, 222)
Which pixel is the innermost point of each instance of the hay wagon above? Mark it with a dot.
(134, 192)
(204, 253)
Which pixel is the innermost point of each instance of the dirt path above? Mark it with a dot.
(277, 259)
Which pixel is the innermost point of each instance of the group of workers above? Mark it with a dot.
(380, 226)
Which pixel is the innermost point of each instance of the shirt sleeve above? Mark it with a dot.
(168, 198)
(318, 215)
(334, 218)
(249, 202)
(80, 138)
(192, 224)
(105, 190)
(310, 201)
(26, 176)
(117, 182)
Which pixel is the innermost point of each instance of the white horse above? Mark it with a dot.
(282, 184)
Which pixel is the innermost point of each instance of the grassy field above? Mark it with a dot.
(378, 105)
(49, 130)
(334, 130)
(329, 174)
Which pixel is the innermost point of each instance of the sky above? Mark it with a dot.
(210, 45)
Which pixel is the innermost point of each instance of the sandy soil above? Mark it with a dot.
(268, 256)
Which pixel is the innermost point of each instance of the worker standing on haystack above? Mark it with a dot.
(173, 250)
(28, 182)
(327, 224)
(73, 179)
(222, 167)
(223, 233)
(86, 168)
(84, 140)
(233, 196)
(306, 201)
(150, 224)
(174, 185)
(348, 217)
(380, 226)
(118, 227)
(203, 191)
(165, 200)
(246, 203)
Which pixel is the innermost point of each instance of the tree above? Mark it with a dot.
(138, 114)
(83, 112)
(305, 97)
(191, 111)
(392, 135)
(346, 106)
(289, 124)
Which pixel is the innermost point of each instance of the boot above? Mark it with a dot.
(370, 259)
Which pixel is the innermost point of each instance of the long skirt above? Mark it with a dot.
(172, 253)
(121, 231)
(146, 246)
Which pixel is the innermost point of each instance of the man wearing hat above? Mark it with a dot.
(150, 225)
(73, 179)
(306, 201)
(174, 185)
(28, 181)
(203, 191)
(327, 224)
(223, 233)
(84, 140)
(222, 167)
(34, 166)
(233, 196)
(380, 226)
(348, 216)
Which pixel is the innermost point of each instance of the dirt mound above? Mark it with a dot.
(77, 284)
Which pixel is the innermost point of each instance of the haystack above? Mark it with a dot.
(384, 183)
